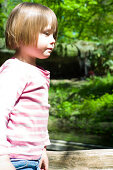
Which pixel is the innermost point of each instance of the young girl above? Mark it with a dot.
(31, 31)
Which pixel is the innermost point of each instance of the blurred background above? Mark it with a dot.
(81, 67)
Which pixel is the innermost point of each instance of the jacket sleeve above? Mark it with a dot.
(11, 87)
(47, 140)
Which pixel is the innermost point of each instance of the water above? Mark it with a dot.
(83, 139)
(57, 131)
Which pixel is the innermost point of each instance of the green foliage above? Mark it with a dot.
(109, 65)
(97, 113)
(83, 19)
(86, 19)
(101, 57)
(61, 103)
(97, 87)
(66, 50)
(88, 105)
(98, 108)
(2, 43)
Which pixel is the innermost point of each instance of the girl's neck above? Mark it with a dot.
(25, 58)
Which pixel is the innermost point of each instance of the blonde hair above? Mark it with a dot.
(26, 21)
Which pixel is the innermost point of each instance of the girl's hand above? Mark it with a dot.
(44, 163)
(5, 163)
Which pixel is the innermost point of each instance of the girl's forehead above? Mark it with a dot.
(49, 24)
(48, 27)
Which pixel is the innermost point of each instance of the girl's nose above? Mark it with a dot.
(52, 39)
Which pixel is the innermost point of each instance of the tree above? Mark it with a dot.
(85, 19)
(77, 19)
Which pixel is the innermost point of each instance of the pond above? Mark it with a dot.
(81, 139)
(78, 141)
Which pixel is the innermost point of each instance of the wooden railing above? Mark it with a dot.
(95, 159)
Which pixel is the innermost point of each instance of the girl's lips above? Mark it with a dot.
(50, 49)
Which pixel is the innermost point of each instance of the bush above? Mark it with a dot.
(97, 113)
(96, 87)
(88, 105)
(63, 100)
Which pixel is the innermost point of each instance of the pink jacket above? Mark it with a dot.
(24, 110)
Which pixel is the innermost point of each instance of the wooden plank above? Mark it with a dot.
(83, 159)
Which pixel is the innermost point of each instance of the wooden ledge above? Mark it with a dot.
(81, 160)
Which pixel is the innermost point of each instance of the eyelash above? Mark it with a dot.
(47, 33)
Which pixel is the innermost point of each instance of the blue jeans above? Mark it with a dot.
(25, 164)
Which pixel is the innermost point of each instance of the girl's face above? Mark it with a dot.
(45, 45)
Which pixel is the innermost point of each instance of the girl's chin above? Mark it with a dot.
(44, 57)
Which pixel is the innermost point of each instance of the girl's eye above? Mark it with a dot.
(47, 33)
